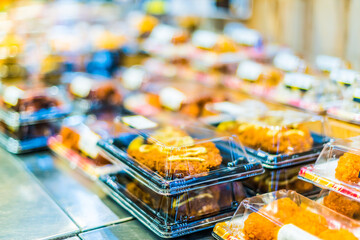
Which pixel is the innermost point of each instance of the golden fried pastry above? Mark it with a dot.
(284, 211)
(69, 138)
(342, 234)
(342, 204)
(172, 153)
(224, 45)
(147, 24)
(348, 168)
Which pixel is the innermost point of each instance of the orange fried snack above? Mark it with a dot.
(283, 211)
(342, 234)
(69, 138)
(348, 168)
(172, 154)
(342, 204)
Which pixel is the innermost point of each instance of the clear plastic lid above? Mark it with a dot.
(277, 179)
(172, 155)
(77, 139)
(24, 105)
(340, 203)
(279, 138)
(286, 215)
(337, 168)
(175, 215)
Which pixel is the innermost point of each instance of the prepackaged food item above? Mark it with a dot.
(285, 215)
(184, 97)
(279, 138)
(92, 93)
(340, 203)
(306, 92)
(337, 168)
(170, 151)
(277, 179)
(77, 139)
(29, 115)
(177, 214)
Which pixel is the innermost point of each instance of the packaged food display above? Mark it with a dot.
(306, 92)
(279, 138)
(337, 168)
(178, 214)
(255, 78)
(185, 97)
(25, 105)
(286, 215)
(77, 139)
(172, 156)
(278, 179)
(91, 93)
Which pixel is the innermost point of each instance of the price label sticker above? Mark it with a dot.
(299, 81)
(204, 39)
(81, 86)
(87, 142)
(133, 77)
(12, 94)
(171, 98)
(139, 122)
(328, 63)
(163, 34)
(345, 77)
(249, 70)
(287, 62)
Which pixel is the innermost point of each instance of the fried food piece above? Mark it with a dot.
(282, 209)
(308, 221)
(257, 227)
(70, 138)
(348, 168)
(342, 204)
(337, 234)
(172, 153)
(224, 45)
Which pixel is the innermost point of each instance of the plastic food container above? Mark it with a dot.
(286, 215)
(184, 97)
(29, 116)
(306, 92)
(340, 203)
(177, 214)
(172, 156)
(337, 168)
(279, 138)
(92, 93)
(255, 78)
(77, 139)
(278, 179)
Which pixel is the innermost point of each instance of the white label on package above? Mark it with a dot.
(229, 108)
(356, 93)
(245, 36)
(87, 142)
(139, 122)
(292, 232)
(287, 62)
(163, 34)
(328, 63)
(12, 95)
(133, 77)
(345, 76)
(249, 70)
(81, 86)
(171, 98)
(204, 39)
(299, 81)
